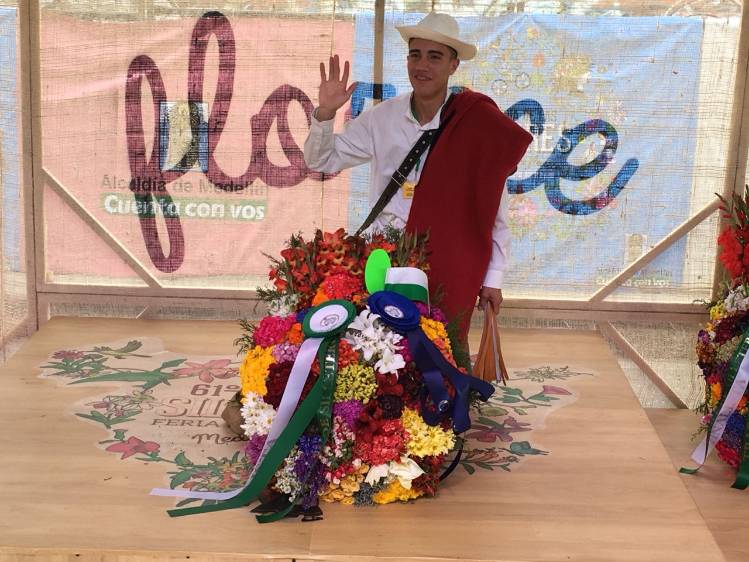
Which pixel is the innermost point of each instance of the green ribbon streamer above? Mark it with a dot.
(329, 360)
(733, 369)
(318, 404)
(409, 290)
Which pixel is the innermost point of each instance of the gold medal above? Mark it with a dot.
(408, 189)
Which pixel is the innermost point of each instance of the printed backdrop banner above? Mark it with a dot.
(183, 137)
(612, 104)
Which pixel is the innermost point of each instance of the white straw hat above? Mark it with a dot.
(441, 28)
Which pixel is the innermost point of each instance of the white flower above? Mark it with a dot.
(286, 478)
(283, 306)
(406, 471)
(737, 300)
(376, 342)
(376, 473)
(258, 416)
(390, 362)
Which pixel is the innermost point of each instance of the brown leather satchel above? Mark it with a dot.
(490, 365)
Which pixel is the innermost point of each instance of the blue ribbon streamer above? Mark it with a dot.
(401, 315)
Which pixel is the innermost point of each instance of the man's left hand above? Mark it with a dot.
(490, 295)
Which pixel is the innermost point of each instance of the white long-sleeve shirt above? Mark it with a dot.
(383, 136)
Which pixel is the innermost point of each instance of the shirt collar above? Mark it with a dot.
(434, 123)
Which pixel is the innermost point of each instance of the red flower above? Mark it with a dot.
(732, 253)
(388, 443)
(133, 446)
(728, 454)
(556, 390)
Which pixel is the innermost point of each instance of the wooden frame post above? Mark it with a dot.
(738, 143)
(32, 156)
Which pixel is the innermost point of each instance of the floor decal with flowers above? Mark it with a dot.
(165, 409)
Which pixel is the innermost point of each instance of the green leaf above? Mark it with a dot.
(512, 391)
(494, 411)
(126, 376)
(468, 467)
(488, 421)
(180, 478)
(524, 448)
(520, 412)
(510, 400)
(131, 346)
(97, 417)
(120, 419)
(172, 363)
(119, 434)
(484, 465)
(182, 460)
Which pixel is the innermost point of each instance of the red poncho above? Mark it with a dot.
(458, 197)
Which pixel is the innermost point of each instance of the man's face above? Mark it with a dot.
(430, 65)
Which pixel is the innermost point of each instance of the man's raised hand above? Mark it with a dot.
(334, 92)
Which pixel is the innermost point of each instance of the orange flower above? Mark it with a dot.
(320, 297)
(295, 336)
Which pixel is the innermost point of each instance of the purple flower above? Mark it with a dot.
(254, 447)
(285, 352)
(309, 469)
(436, 313)
(349, 411)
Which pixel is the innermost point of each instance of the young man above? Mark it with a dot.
(454, 189)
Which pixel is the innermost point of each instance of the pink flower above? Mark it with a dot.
(272, 330)
(133, 446)
(206, 372)
(556, 390)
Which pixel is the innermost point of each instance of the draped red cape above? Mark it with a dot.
(458, 196)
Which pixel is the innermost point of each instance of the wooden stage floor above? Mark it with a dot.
(565, 466)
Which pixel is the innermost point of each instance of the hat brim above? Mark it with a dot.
(465, 51)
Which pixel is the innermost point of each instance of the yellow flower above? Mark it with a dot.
(355, 382)
(425, 440)
(435, 330)
(396, 492)
(254, 370)
(718, 311)
(344, 492)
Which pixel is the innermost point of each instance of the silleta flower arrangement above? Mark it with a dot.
(721, 348)
(353, 389)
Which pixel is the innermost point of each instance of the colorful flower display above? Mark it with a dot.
(379, 446)
(720, 338)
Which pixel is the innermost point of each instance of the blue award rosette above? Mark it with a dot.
(401, 315)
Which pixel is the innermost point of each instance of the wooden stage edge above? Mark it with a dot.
(599, 487)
